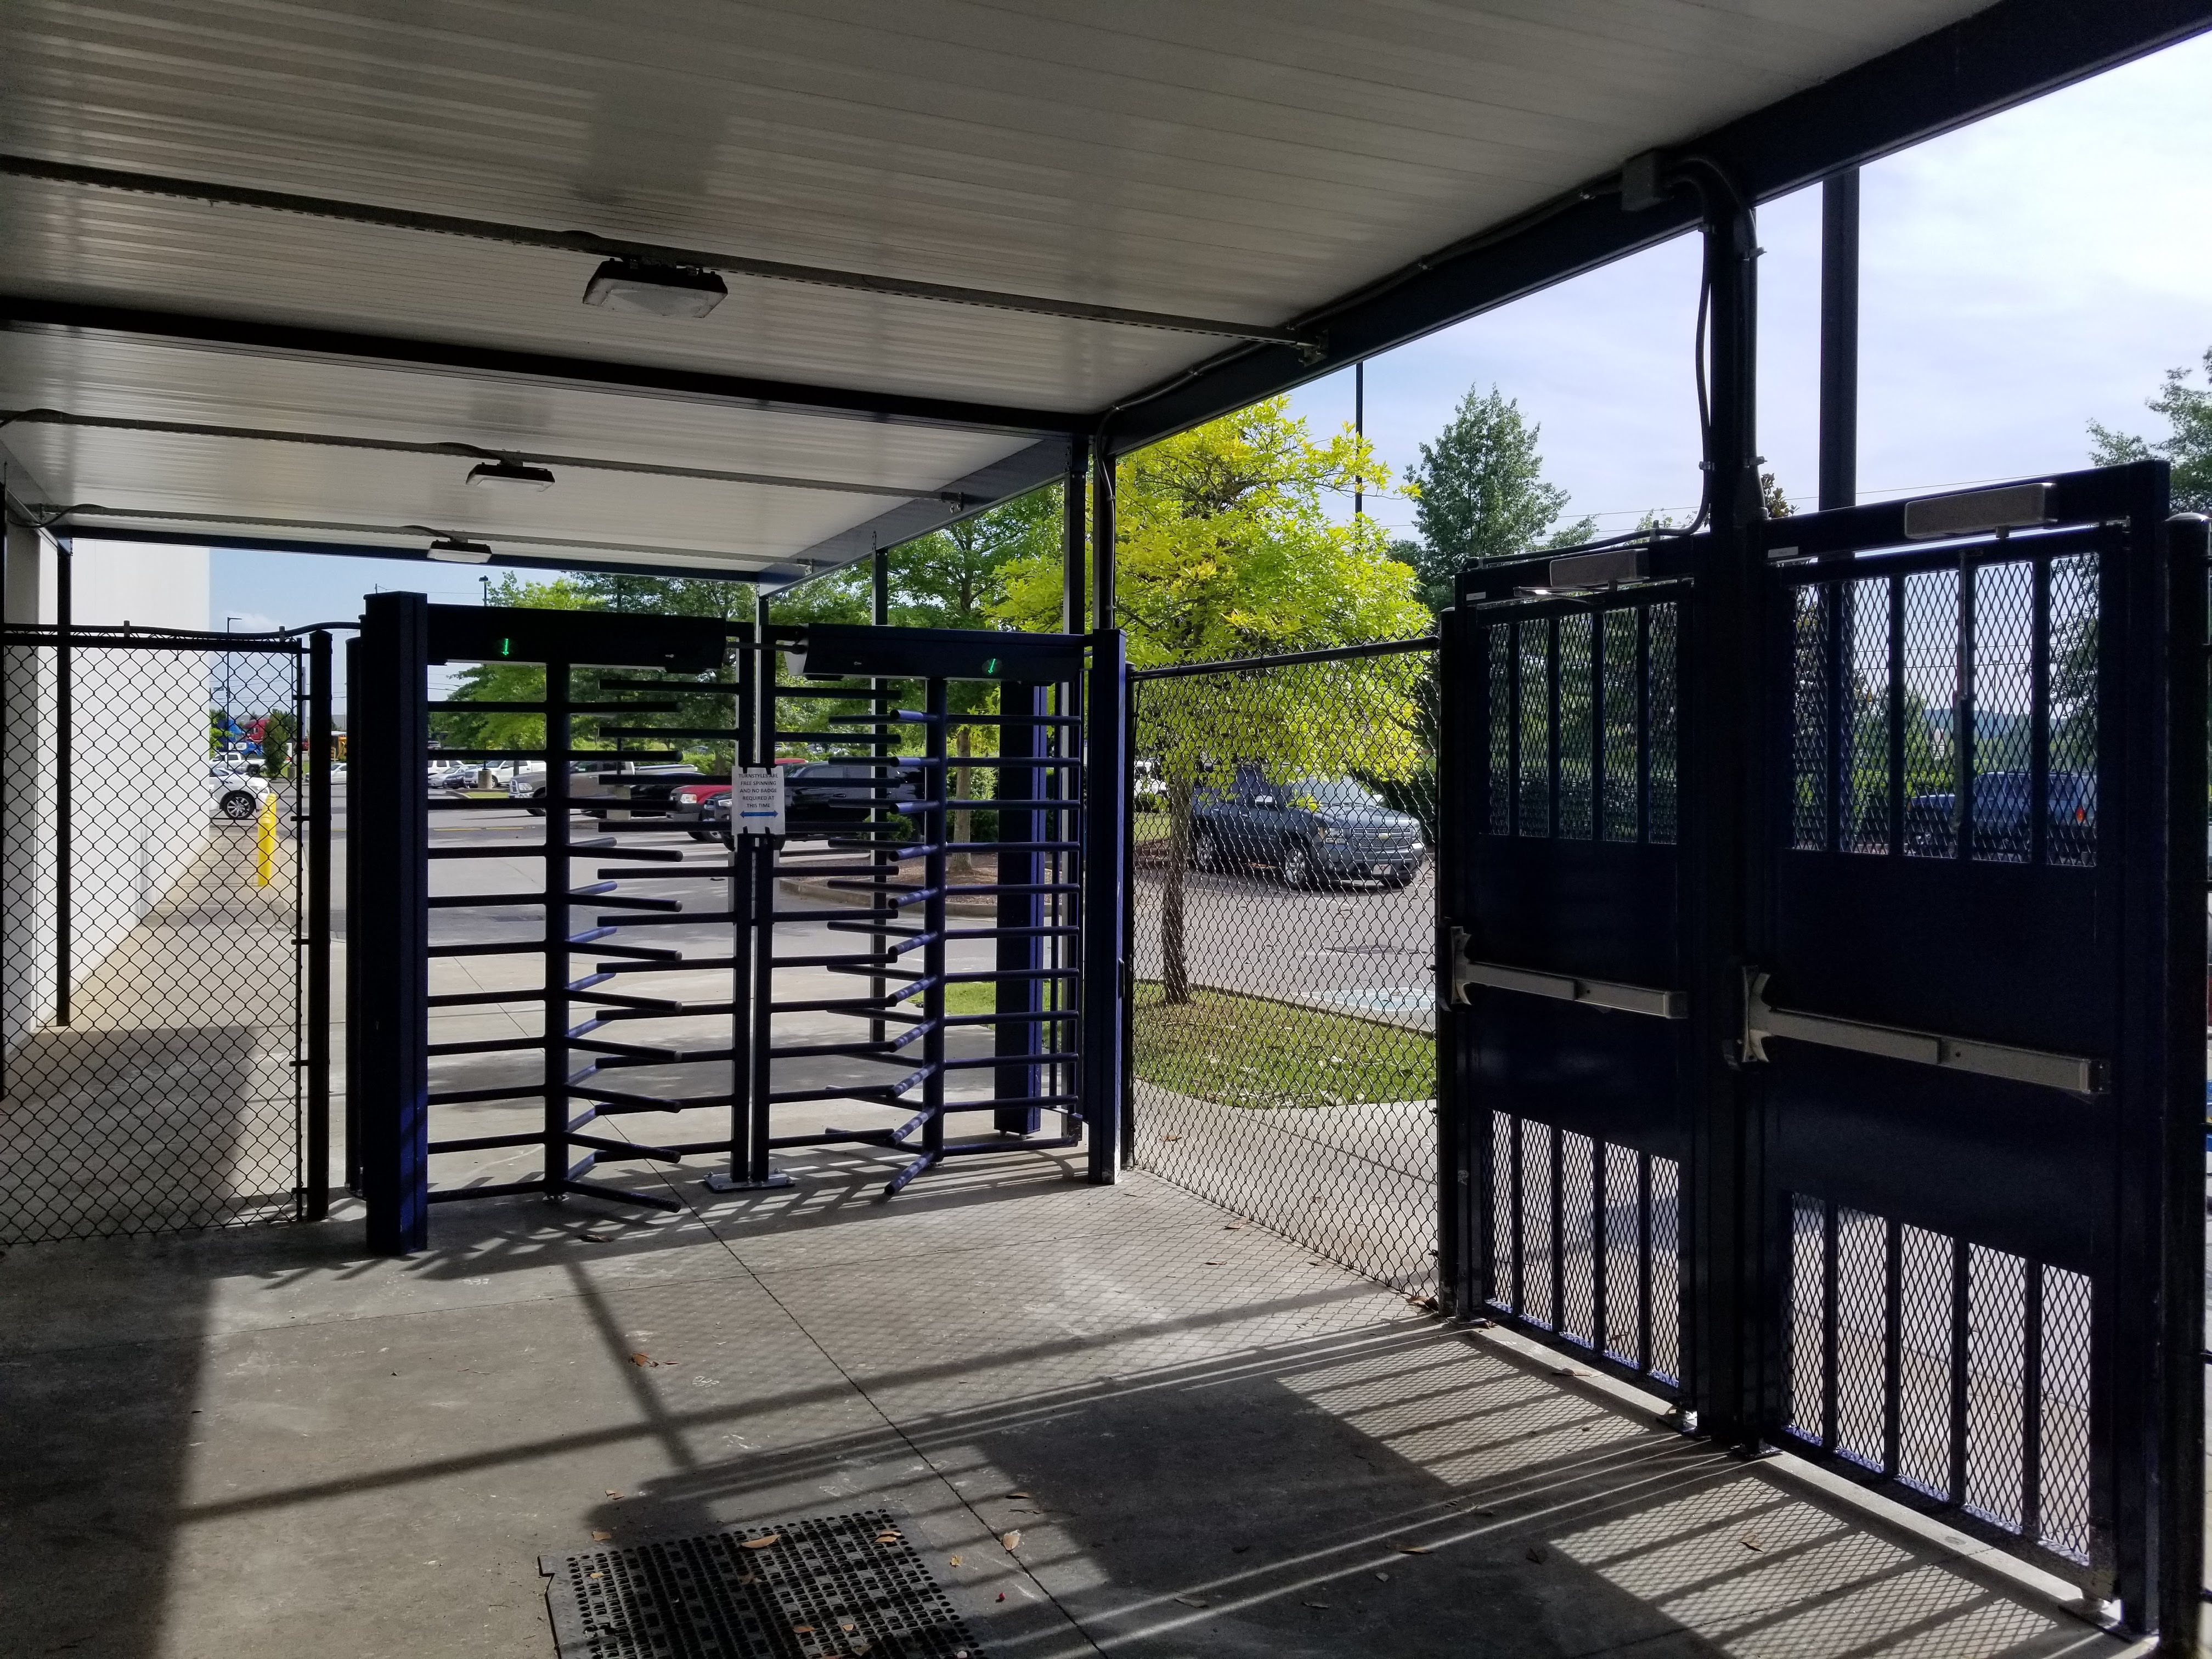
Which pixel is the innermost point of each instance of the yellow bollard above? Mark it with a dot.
(264, 843)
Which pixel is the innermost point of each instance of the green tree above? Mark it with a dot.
(956, 577)
(1479, 495)
(2186, 447)
(1226, 548)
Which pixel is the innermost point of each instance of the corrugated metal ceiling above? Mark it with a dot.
(1245, 160)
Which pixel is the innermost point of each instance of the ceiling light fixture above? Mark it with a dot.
(651, 290)
(510, 475)
(452, 550)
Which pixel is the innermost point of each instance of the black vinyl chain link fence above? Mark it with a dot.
(1283, 1026)
(152, 992)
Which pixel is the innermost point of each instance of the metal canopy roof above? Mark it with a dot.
(284, 272)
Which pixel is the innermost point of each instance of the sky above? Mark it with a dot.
(2020, 277)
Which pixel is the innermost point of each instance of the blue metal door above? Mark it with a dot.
(1823, 930)
(1967, 1022)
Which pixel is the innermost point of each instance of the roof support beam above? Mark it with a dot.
(464, 451)
(591, 245)
(19, 315)
(415, 553)
(2014, 50)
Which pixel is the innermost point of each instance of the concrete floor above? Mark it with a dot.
(262, 1443)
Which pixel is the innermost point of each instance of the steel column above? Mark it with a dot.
(2180, 1542)
(388, 1033)
(1105, 828)
(64, 787)
(1840, 340)
(1722, 811)
(317, 938)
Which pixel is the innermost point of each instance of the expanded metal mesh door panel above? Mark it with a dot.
(1922, 702)
(1958, 1371)
(154, 981)
(1283, 1028)
(1584, 726)
(1585, 1238)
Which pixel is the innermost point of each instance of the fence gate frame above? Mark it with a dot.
(309, 656)
(390, 1096)
(1748, 1043)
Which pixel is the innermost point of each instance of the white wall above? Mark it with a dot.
(140, 801)
(150, 586)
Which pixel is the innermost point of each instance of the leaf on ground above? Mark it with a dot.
(641, 1358)
(1234, 1227)
(1217, 1264)
(1323, 1606)
(1410, 1549)
(1537, 1554)
(1012, 1541)
(1751, 1543)
(1170, 1136)
(762, 1542)
(614, 1494)
(1193, 1600)
(1017, 1494)
(601, 1537)
(953, 1559)
(598, 1238)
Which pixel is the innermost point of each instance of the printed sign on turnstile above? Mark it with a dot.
(756, 801)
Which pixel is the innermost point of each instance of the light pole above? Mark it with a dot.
(1359, 430)
(228, 721)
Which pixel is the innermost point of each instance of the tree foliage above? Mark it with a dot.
(1226, 548)
(1481, 494)
(2186, 447)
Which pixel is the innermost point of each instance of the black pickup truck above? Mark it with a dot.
(1312, 832)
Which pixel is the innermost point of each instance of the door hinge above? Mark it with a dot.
(1762, 1022)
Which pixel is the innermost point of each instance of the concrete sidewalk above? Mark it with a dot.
(252, 1443)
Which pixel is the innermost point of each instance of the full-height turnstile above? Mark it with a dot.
(670, 978)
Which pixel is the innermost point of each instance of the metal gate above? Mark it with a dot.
(1930, 1214)
(662, 981)
(164, 845)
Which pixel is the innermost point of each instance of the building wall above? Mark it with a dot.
(140, 800)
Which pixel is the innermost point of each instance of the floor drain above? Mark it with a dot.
(835, 1585)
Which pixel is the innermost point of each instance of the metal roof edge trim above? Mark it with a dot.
(1025, 469)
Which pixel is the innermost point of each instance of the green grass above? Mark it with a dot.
(1250, 1052)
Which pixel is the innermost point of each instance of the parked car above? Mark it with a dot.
(2004, 816)
(1312, 831)
(237, 795)
(686, 806)
(608, 787)
(821, 792)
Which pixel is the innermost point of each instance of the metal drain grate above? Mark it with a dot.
(835, 1585)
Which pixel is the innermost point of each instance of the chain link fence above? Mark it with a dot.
(151, 979)
(1283, 1027)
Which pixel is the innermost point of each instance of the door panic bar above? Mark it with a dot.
(1762, 1021)
(1564, 987)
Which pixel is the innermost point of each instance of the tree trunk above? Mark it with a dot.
(1175, 954)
